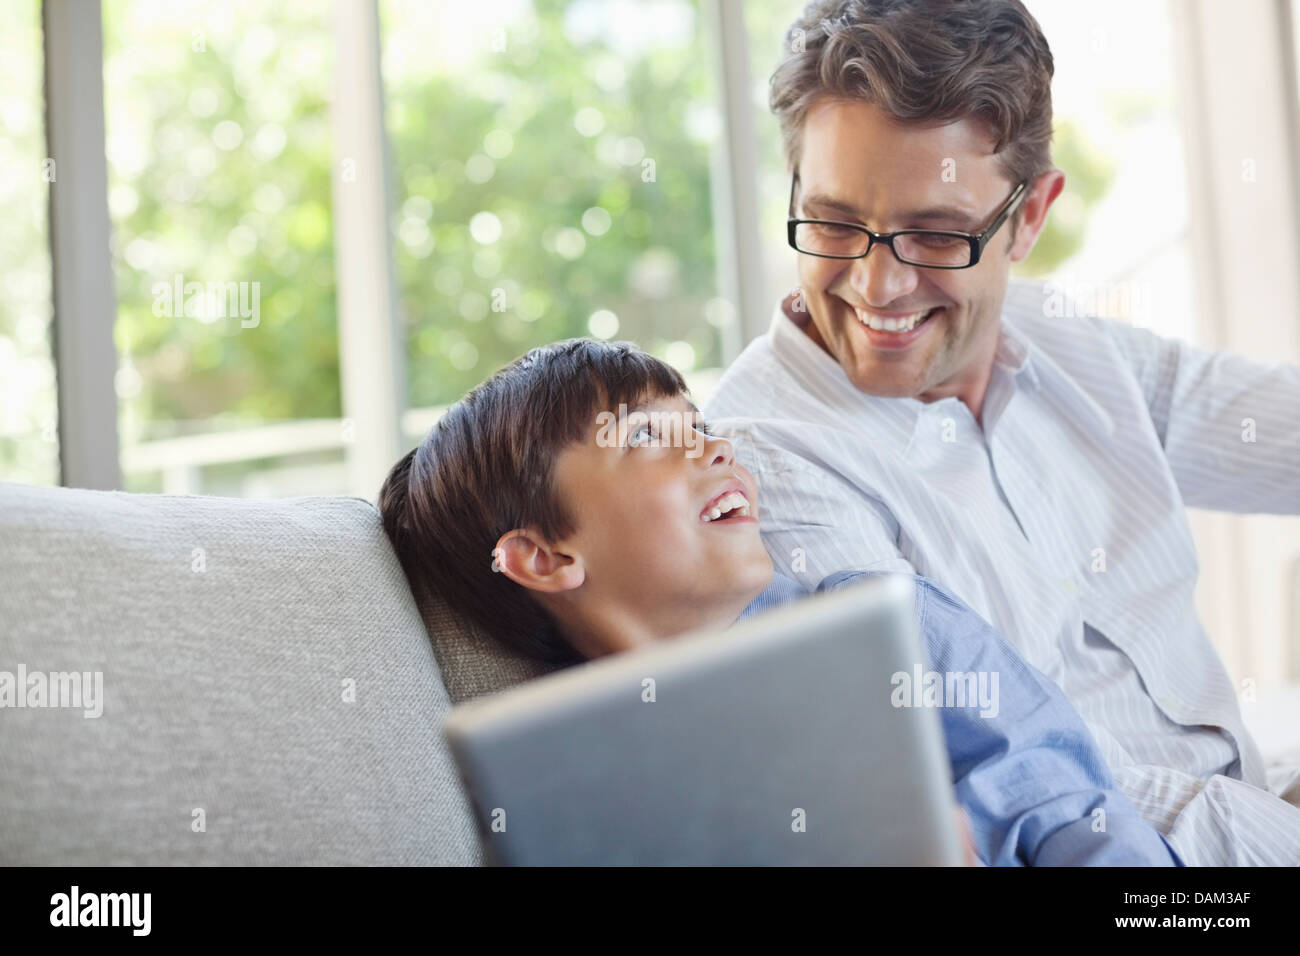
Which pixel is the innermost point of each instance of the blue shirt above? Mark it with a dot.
(1030, 777)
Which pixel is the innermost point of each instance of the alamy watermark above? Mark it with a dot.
(209, 301)
(946, 689)
(64, 689)
(1072, 298)
(75, 908)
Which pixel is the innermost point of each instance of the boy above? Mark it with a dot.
(574, 505)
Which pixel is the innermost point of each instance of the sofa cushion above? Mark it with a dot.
(264, 670)
(472, 662)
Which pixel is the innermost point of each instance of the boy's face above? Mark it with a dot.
(657, 556)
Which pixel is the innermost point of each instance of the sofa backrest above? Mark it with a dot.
(269, 693)
(473, 663)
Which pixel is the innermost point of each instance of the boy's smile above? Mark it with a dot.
(731, 504)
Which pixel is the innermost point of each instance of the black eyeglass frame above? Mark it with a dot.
(977, 241)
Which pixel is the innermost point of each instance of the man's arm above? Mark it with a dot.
(1229, 426)
(1025, 768)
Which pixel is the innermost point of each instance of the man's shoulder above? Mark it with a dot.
(1062, 319)
(742, 385)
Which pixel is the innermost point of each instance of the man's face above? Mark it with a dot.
(858, 165)
(640, 489)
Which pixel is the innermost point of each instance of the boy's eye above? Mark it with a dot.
(645, 434)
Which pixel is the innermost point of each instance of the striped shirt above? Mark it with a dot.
(1061, 521)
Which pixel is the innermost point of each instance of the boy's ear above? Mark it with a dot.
(527, 558)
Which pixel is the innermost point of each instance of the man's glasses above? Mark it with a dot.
(930, 248)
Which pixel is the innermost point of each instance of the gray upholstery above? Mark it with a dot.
(225, 630)
(473, 664)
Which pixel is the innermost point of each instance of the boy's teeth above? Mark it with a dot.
(734, 500)
(905, 324)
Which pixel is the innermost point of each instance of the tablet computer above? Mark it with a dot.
(777, 741)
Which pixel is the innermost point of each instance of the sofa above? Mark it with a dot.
(272, 693)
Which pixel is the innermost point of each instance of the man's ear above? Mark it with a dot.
(1033, 212)
(527, 558)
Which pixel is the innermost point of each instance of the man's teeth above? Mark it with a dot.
(905, 324)
(728, 502)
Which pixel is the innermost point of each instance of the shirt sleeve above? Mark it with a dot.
(814, 522)
(1228, 425)
(1025, 768)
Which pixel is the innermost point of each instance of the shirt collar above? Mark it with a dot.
(1025, 363)
(820, 377)
(1013, 353)
(1032, 366)
(788, 339)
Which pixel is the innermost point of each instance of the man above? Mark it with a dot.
(909, 412)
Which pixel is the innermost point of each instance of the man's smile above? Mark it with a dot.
(894, 330)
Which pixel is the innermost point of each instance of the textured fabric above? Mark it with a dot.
(225, 631)
(781, 590)
(472, 663)
(1060, 520)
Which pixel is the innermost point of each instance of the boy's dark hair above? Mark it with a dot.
(488, 466)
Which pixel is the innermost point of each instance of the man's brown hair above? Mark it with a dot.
(488, 466)
(926, 61)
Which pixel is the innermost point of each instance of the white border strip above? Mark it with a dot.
(372, 344)
(85, 304)
(735, 181)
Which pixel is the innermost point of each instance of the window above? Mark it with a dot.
(1117, 237)
(765, 25)
(29, 450)
(552, 179)
(219, 151)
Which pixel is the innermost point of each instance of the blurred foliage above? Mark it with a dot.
(1088, 175)
(550, 141)
(220, 172)
(219, 152)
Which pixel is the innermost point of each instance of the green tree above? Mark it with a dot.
(617, 220)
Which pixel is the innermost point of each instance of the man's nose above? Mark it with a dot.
(879, 278)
